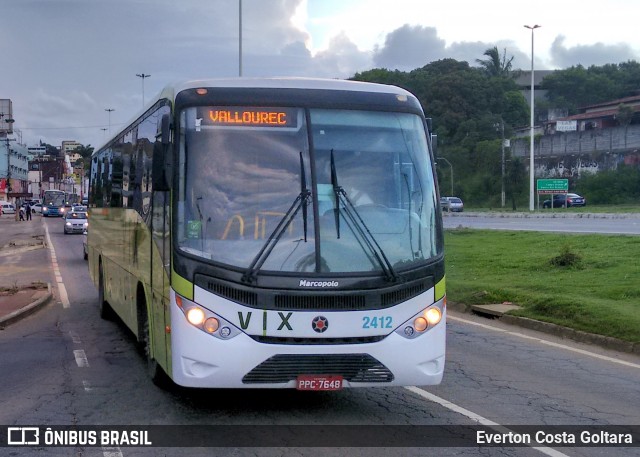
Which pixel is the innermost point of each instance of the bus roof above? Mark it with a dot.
(291, 83)
(170, 91)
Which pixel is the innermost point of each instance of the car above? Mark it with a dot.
(8, 208)
(455, 204)
(559, 201)
(37, 208)
(78, 207)
(66, 209)
(75, 222)
(444, 203)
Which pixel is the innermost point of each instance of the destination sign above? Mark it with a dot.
(252, 117)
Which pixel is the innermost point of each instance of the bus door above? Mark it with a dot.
(160, 270)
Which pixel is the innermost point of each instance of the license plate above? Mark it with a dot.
(319, 382)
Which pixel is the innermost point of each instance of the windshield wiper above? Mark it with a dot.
(361, 227)
(301, 201)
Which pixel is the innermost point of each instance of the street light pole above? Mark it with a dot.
(451, 167)
(143, 76)
(109, 110)
(239, 37)
(502, 196)
(531, 144)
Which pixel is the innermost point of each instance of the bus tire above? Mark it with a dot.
(154, 370)
(105, 309)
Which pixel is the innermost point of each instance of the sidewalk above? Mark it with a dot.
(25, 268)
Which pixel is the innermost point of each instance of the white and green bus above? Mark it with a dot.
(274, 233)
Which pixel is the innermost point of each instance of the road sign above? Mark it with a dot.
(553, 186)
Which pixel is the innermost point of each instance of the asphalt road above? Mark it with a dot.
(547, 222)
(65, 365)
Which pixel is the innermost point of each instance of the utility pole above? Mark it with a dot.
(109, 110)
(531, 144)
(143, 76)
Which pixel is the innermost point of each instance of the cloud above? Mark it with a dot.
(409, 47)
(587, 55)
(341, 59)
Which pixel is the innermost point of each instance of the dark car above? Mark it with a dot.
(559, 201)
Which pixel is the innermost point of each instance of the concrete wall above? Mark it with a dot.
(570, 154)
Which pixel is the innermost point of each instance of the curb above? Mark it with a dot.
(26, 310)
(606, 342)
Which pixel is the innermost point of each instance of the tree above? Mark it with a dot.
(625, 114)
(495, 66)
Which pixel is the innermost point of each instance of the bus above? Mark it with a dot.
(53, 202)
(274, 233)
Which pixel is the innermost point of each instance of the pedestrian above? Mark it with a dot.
(21, 213)
(28, 211)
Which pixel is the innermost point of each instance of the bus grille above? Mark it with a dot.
(293, 340)
(346, 300)
(287, 367)
(321, 302)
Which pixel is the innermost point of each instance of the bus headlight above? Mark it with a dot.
(195, 316)
(422, 322)
(433, 315)
(205, 320)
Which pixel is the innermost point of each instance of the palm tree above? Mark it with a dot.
(495, 65)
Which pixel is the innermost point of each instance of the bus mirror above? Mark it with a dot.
(434, 143)
(158, 170)
(165, 128)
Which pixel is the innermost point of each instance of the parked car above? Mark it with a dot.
(559, 201)
(454, 204)
(37, 208)
(75, 222)
(444, 203)
(8, 208)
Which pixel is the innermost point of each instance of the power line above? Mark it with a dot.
(63, 128)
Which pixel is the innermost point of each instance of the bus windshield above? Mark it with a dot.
(53, 198)
(285, 190)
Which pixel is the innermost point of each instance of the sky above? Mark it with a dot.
(65, 62)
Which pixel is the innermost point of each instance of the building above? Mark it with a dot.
(14, 166)
(596, 139)
(598, 116)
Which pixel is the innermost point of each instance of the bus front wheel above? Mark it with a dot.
(105, 309)
(154, 370)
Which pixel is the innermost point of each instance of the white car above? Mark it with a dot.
(455, 204)
(8, 208)
(75, 222)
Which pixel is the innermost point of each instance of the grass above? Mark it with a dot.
(585, 282)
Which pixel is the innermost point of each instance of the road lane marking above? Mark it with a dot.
(548, 343)
(81, 358)
(111, 452)
(74, 336)
(64, 297)
(477, 418)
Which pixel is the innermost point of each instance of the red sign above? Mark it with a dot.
(319, 382)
